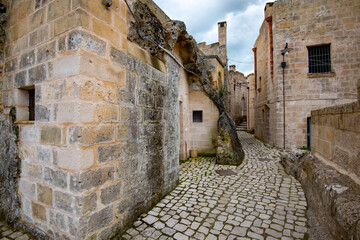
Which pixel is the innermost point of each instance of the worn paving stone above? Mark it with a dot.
(259, 202)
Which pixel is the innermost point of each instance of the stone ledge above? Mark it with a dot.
(334, 197)
(339, 109)
(321, 75)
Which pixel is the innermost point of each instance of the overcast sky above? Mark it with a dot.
(244, 18)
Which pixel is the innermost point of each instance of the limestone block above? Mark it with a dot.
(57, 9)
(50, 135)
(32, 170)
(27, 188)
(89, 135)
(19, 30)
(11, 65)
(61, 44)
(71, 21)
(81, 39)
(110, 194)
(120, 23)
(23, 8)
(107, 113)
(122, 132)
(111, 73)
(39, 36)
(66, 66)
(96, 8)
(106, 32)
(77, 205)
(44, 154)
(38, 211)
(26, 151)
(52, 91)
(44, 194)
(37, 19)
(27, 59)
(20, 79)
(46, 52)
(111, 231)
(91, 179)
(42, 113)
(57, 219)
(110, 153)
(74, 112)
(57, 178)
(146, 99)
(75, 158)
(7, 99)
(151, 115)
(37, 74)
(97, 90)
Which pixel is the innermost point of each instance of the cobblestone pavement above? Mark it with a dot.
(259, 202)
(7, 233)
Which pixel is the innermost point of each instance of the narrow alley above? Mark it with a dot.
(260, 201)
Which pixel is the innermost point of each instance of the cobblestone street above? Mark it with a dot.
(7, 233)
(259, 202)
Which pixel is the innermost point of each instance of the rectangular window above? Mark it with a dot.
(319, 59)
(25, 103)
(197, 116)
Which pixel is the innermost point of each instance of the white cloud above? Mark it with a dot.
(244, 19)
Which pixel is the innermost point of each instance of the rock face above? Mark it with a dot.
(174, 33)
(9, 170)
(229, 152)
(334, 197)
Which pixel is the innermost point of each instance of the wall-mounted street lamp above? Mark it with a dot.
(284, 52)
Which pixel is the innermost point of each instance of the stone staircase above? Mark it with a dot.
(242, 127)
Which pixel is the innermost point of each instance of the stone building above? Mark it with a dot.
(198, 114)
(90, 113)
(238, 96)
(321, 66)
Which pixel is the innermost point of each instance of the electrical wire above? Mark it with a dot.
(140, 33)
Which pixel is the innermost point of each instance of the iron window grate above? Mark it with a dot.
(319, 59)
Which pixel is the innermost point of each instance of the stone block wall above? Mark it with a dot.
(302, 24)
(335, 137)
(104, 145)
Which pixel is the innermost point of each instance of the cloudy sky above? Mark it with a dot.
(244, 18)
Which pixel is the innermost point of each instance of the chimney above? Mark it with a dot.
(222, 33)
(232, 68)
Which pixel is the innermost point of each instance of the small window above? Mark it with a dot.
(25, 104)
(319, 59)
(197, 116)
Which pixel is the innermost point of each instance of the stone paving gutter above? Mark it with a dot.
(259, 202)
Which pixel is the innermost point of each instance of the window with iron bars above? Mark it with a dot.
(319, 59)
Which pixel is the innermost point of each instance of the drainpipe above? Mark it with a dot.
(255, 66)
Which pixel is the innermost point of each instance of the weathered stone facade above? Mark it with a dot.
(104, 146)
(238, 95)
(335, 137)
(303, 24)
(202, 135)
